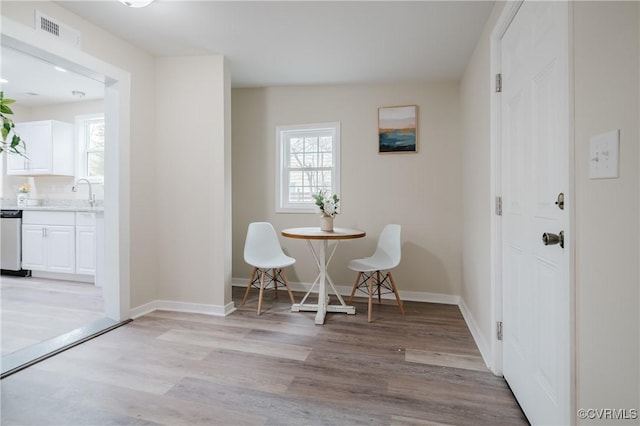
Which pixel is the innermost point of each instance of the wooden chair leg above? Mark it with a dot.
(370, 278)
(355, 286)
(261, 291)
(275, 281)
(378, 286)
(286, 284)
(395, 291)
(246, 293)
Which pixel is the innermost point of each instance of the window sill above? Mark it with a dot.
(300, 211)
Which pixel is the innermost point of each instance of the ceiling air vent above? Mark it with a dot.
(58, 30)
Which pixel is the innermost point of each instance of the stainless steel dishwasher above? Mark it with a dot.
(11, 243)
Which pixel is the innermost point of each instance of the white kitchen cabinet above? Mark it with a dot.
(49, 149)
(61, 245)
(85, 243)
(34, 248)
(49, 241)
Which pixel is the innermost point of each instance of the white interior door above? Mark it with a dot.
(535, 140)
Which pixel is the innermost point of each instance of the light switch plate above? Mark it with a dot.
(603, 155)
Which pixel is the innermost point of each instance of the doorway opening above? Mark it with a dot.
(111, 222)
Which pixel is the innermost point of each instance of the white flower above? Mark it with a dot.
(25, 188)
(329, 208)
(327, 205)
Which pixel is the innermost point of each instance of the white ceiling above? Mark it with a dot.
(271, 43)
(34, 82)
(305, 42)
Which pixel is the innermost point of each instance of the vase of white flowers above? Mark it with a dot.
(328, 206)
(23, 194)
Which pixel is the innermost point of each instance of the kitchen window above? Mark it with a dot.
(308, 160)
(90, 131)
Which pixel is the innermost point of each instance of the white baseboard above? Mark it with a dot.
(481, 343)
(413, 296)
(194, 308)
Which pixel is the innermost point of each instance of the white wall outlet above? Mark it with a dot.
(604, 154)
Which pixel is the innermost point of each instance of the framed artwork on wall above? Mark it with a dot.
(398, 129)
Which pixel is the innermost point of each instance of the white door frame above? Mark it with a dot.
(116, 284)
(506, 17)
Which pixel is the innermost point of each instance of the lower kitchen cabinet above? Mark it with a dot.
(34, 248)
(49, 241)
(62, 248)
(85, 243)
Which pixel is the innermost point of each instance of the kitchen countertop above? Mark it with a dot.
(60, 206)
(97, 209)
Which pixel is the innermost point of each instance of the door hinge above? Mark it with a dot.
(499, 330)
(499, 206)
(498, 83)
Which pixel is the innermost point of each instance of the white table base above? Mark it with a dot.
(323, 306)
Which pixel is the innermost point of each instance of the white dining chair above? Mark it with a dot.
(374, 272)
(262, 250)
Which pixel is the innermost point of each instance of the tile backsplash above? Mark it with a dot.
(46, 188)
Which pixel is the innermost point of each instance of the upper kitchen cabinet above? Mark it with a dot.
(49, 149)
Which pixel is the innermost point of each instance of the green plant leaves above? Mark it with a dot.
(16, 145)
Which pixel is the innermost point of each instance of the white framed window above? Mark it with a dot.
(90, 134)
(308, 160)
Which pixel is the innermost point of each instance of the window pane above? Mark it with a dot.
(95, 164)
(296, 160)
(296, 179)
(311, 159)
(300, 196)
(91, 144)
(298, 187)
(311, 179)
(96, 135)
(326, 160)
(326, 144)
(296, 149)
(311, 144)
(324, 181)
(296, 196)
(296, 144)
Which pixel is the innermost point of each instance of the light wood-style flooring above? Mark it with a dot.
(277, 369)
(36, 309)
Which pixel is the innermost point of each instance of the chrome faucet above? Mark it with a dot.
(92, 196)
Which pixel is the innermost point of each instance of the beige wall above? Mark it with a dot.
(191, 156)
(110, 49)
(475, 95)
(606, 98)
(419, 191)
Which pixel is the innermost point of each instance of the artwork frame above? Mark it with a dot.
(398, 129)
